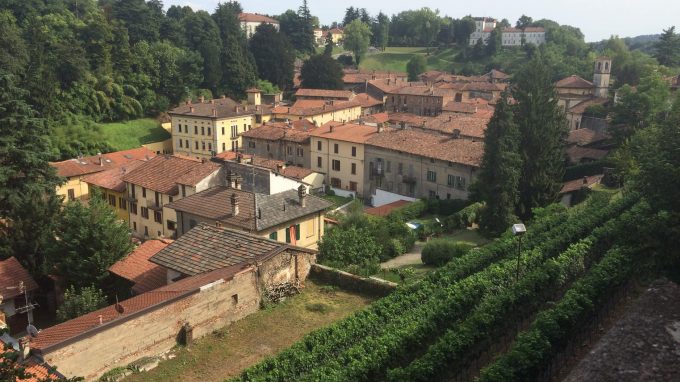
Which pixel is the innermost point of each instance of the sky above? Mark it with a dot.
(597, 19)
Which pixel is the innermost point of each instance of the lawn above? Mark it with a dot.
(228, 351)
(336, 200)
(466, 236)
(419, 272)
(396, 58)
(132, 134)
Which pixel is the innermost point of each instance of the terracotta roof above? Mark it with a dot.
(296, 172)
(297, 131)
(377, 118)
(468, 126)
(361, 76)
(37, 370)
(323, 93)
(429, 145)
(477, 86)
(231, 155)
(574, 81)
(585, 137)
(408, 118)
(347, 132)
(256, 18)
(386, 85)
(498, 74)
(336, 31)
(460, 107)
(137, 268)
(279, 166)
(91, 164)
(11, 275)
(218, 108)
(162, 173)
(366, 100)
(197, 174)
(581, 107)
(205, 248)
(385, 210)
(577, 153)
(112, 179)
(577, 184)
(307, 108)
(419, 90)
(49, 339)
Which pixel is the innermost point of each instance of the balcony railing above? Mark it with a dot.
(409, 179)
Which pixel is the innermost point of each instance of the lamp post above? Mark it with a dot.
(518, 230)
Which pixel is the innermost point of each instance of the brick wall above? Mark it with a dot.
(348, 281)
(154, 332)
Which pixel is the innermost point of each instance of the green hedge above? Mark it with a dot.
(587, 169)
(410, 211)
(441, 251)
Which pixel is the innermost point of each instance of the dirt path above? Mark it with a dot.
(409, 258)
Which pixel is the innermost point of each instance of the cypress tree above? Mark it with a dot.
(498, 180)
(239, 71)
(543, 130)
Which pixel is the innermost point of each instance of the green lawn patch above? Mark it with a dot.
(396, 58)
(466, 236)
(133, 134)
(392, 274)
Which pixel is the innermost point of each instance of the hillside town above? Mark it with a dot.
(412, 197)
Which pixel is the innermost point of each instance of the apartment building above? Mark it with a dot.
(205, 128)
(324, 94)
(111, 188)
(284, 141)
(318, 111)
(160, 181)
(415, 164)
(337, 150)
(419, 100)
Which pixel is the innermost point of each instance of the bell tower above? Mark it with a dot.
(603, 70)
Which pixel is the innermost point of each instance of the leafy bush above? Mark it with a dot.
(342, 247)
(346, 60)
(463, 218)
(80, 302)
(587, 169)
(409, 211)
(446, 207)
(440, 252)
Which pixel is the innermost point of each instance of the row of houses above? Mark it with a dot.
(509, 36)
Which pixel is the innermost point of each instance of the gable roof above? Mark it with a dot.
(347, 132)
(581, 107)
(92, 164)
(137, 268)
(163, 172)
(577, 153)
(577, 184)
(574, 82)
(218, 108)
(256, 18)
(467, 126)
(12, 273)
(366, 100)
(377, 118)
(585, 137)
(297, 131)
(324, 93)
(206, 248)
(112, 179)
(429, 145)
(306, 108)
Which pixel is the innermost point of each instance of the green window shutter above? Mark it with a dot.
(297, 232)
(288, 235)
(274, 235)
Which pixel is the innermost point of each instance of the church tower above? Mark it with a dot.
(603, 70)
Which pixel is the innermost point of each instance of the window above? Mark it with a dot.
(192, 223)
(203, 146)
(112, 200)
(318, 162)
(196, 145)
(318, 145)
(122, 203)
(431, 176)
(234, 299)
(179, 128)
(143, 192)
(268, 148)
(186, 129)
(202, 130)
(451, 180)
(300, 152)
(274, 235)
(251, 144)
(158, 217)
(431, 194)
(354, 168)
(146, 231)
(170, 199)
(71, 194)
(336, 165)
(222, 130)
(353, 186)
(134, 226)
(335, 148)
(180, 143)
(388, 167)
(145, 212)
(209, 146)
(184, 190)
(295, 228)
(157, 198)
(289, 150)
(354, 151)
(400, 168)
(336, 183)
(186, 143)
(209, 131)
(460, 183)
(310, 227)
(234, 131)
(133, 209)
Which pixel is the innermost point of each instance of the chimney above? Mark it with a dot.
(24, 346)
(191, 109)
(238, 109)
(456, 133)
(234, 204)
(101, 159)
(214, 112)
(202, 160)
(380, 128)
(331, 127)
(201, 99)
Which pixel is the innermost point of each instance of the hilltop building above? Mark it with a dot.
(250, 22)
(509, 36)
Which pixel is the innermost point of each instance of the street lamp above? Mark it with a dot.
(518, 230)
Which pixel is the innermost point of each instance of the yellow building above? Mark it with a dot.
(291, 216)
(160, 181)
(337, 35)
(203, 129)
(319, 111)
(337, 151)
(111, 186)
(74, 170)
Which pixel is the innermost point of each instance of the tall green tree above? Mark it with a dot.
(381, 31)
(239, 71)
(274, 56)
(321, 72)
(12, 45)
(80, 302)
(462, 30)
(351, 14)
(498, 180)
(356, 38)
(668, 48)
(328, 48)
(306, 31)
(91, 239)
(494, 42)
(415, 67)
(142, 19)
(543, 129)
(28, 200)
(203, 36)
(523, 22)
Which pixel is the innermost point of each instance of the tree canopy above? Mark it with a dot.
(357, 36)
(321, 72)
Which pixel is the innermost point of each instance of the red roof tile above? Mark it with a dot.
(313, 107)
(347, 132)
(585, 137)
(385, 210)
(297, 131)
(323, 93)
(577, 184)
(577, 153)
(366, 100)
(92, 164)
(256, 18)
(163, 172)
(574, 81)
(219, 108)
(112, 179)
(11, 275)
(137, 268)
(581, 107)
(377, 118)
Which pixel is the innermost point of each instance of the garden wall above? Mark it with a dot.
(350, 282)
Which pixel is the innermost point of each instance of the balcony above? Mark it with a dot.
(151, 204)
(409, 179)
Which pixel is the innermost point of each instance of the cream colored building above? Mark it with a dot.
(319, 112)
(337, 150)
(160, 181)
(250, 22)
(203, 129)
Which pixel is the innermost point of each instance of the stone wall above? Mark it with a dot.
(348, 281)
(155, 331)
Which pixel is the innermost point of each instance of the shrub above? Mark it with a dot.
(446, 207)
(346, 60)
(440, 252)
(409, 211)
(80, 302)
(349, 246)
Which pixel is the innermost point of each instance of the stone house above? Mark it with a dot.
(284, 141)
(112, 189)
(419, 100)
(318, 111)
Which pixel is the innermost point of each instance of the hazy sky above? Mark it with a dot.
(596, 19)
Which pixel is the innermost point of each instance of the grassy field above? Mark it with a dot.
(132, 134)
(396, 58)
(228, 351)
